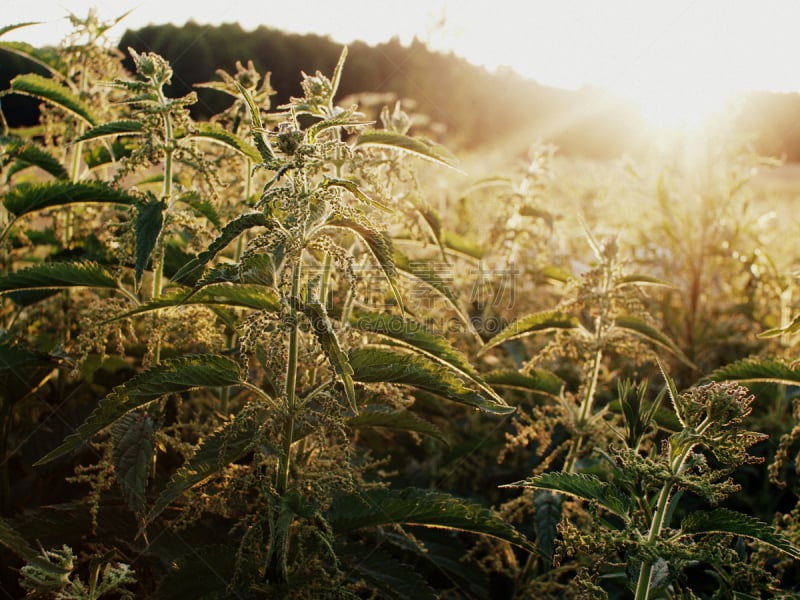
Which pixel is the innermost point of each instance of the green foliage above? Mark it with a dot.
(311, 362)
(418, 507)
(170, 377)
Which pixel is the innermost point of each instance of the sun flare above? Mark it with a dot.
(666, 108)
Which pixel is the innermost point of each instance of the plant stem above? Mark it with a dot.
(657, 524)
(291, 388)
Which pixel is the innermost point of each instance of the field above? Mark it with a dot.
(303, 351)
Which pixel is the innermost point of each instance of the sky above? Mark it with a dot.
(676, 59)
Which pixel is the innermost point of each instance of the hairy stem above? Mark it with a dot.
(291, 388)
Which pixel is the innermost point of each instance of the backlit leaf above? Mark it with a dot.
(380, 506)
(540, 381)
(149, 221)
(722, 520)
(124, 127)
(400, 420)
(412, 145)
(171, 376)
(536, 323)
(58, 275)
(581, 485)
(411, 334)
(213, 132)
(49, 90)
(24, 199)
(226, 445)
(380, 365)
(191, 270)
(132, 452)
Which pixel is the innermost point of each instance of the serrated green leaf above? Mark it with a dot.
(428, 272)
(24, 199)
(46, 57)
(581, 485)
(546, 518)
(401, 420)
(149, 221)
(133, 448)
(229, 233)
(380, 247)
(640, 279)
(58, 275)
(651, 334)
(352, 187)
(535, 323)
(7, 28)
(757, 370)
(12, 540)
(380, 506)
(413, 335)
(417, 146)
(123, 127)
(32, 155)
(213, 132)
(239, 295)
(540, 381)
(201, 206)
(722, 520)
(326, 336)
(262, 145)
(224, 446)
(380, 365)
(347, 120)
(171, 376)
(789, 329)
(49, 90)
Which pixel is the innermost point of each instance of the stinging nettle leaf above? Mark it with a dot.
(171, 376)
(413, 335)
(581, 485)
(326, 336)
(416, 146)
(380, 365)
(238, 295)
(380, 506)
(651, 334)
(124, 127)
(224, 446)
(380, 246)
(215, 133)
(757, 370)
(230, 232)
(149, 221)
(50, 276)
(133, 438)
(33, 155)
(723, 520)
(539, 381)
(24, 199)
(49, 90)
(534, 323)
(400, 420)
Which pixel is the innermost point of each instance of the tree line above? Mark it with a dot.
(468, 106)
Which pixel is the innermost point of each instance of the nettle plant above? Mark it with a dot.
(257, 356)
(612, 471)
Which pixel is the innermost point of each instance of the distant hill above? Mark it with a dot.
(473, 107)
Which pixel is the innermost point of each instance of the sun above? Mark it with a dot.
(677, 106)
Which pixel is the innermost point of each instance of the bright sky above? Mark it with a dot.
(677, 58)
